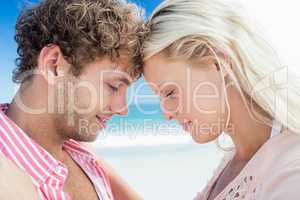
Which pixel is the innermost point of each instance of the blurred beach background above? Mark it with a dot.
(156, 156)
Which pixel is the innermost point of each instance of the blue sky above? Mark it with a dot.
(9, 11)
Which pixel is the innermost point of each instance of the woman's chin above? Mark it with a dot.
(203, 138)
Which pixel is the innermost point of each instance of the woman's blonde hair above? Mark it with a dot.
(193, 28)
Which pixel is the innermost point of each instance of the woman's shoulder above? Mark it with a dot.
(276, 165)
(282, 183)
(282, 150)
(280, 176)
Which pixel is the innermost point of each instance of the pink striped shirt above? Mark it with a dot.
(47, 173)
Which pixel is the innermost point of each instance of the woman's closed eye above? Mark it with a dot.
(170, 94)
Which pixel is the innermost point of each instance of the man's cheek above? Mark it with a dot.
(104, 98)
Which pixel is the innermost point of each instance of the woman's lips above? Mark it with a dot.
(188, 126)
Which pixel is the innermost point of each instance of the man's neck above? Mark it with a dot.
(39, 127)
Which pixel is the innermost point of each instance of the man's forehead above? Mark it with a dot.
(118, 67)
(123, 60)
(120, 73)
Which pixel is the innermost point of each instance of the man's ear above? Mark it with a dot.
(51, 63)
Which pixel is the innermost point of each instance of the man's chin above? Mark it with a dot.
(88, 137)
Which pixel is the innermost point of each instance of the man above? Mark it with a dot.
(76, 60)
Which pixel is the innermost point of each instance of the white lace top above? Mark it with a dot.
(273, 173)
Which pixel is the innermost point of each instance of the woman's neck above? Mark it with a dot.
(248, 134)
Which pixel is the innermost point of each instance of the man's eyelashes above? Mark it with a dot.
(113, 88)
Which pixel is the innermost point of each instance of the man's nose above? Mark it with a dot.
(119, 105)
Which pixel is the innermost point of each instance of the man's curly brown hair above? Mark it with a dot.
(83, 29)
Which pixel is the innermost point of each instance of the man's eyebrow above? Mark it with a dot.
(116, 68)
(125, 80)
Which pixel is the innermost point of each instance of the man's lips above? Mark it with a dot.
(102, 120)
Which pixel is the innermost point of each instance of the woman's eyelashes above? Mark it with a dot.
(170, 94)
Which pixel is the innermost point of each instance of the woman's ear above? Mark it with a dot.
(222, 63)
(218, 61)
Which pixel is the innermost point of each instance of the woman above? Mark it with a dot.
(215, 74)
